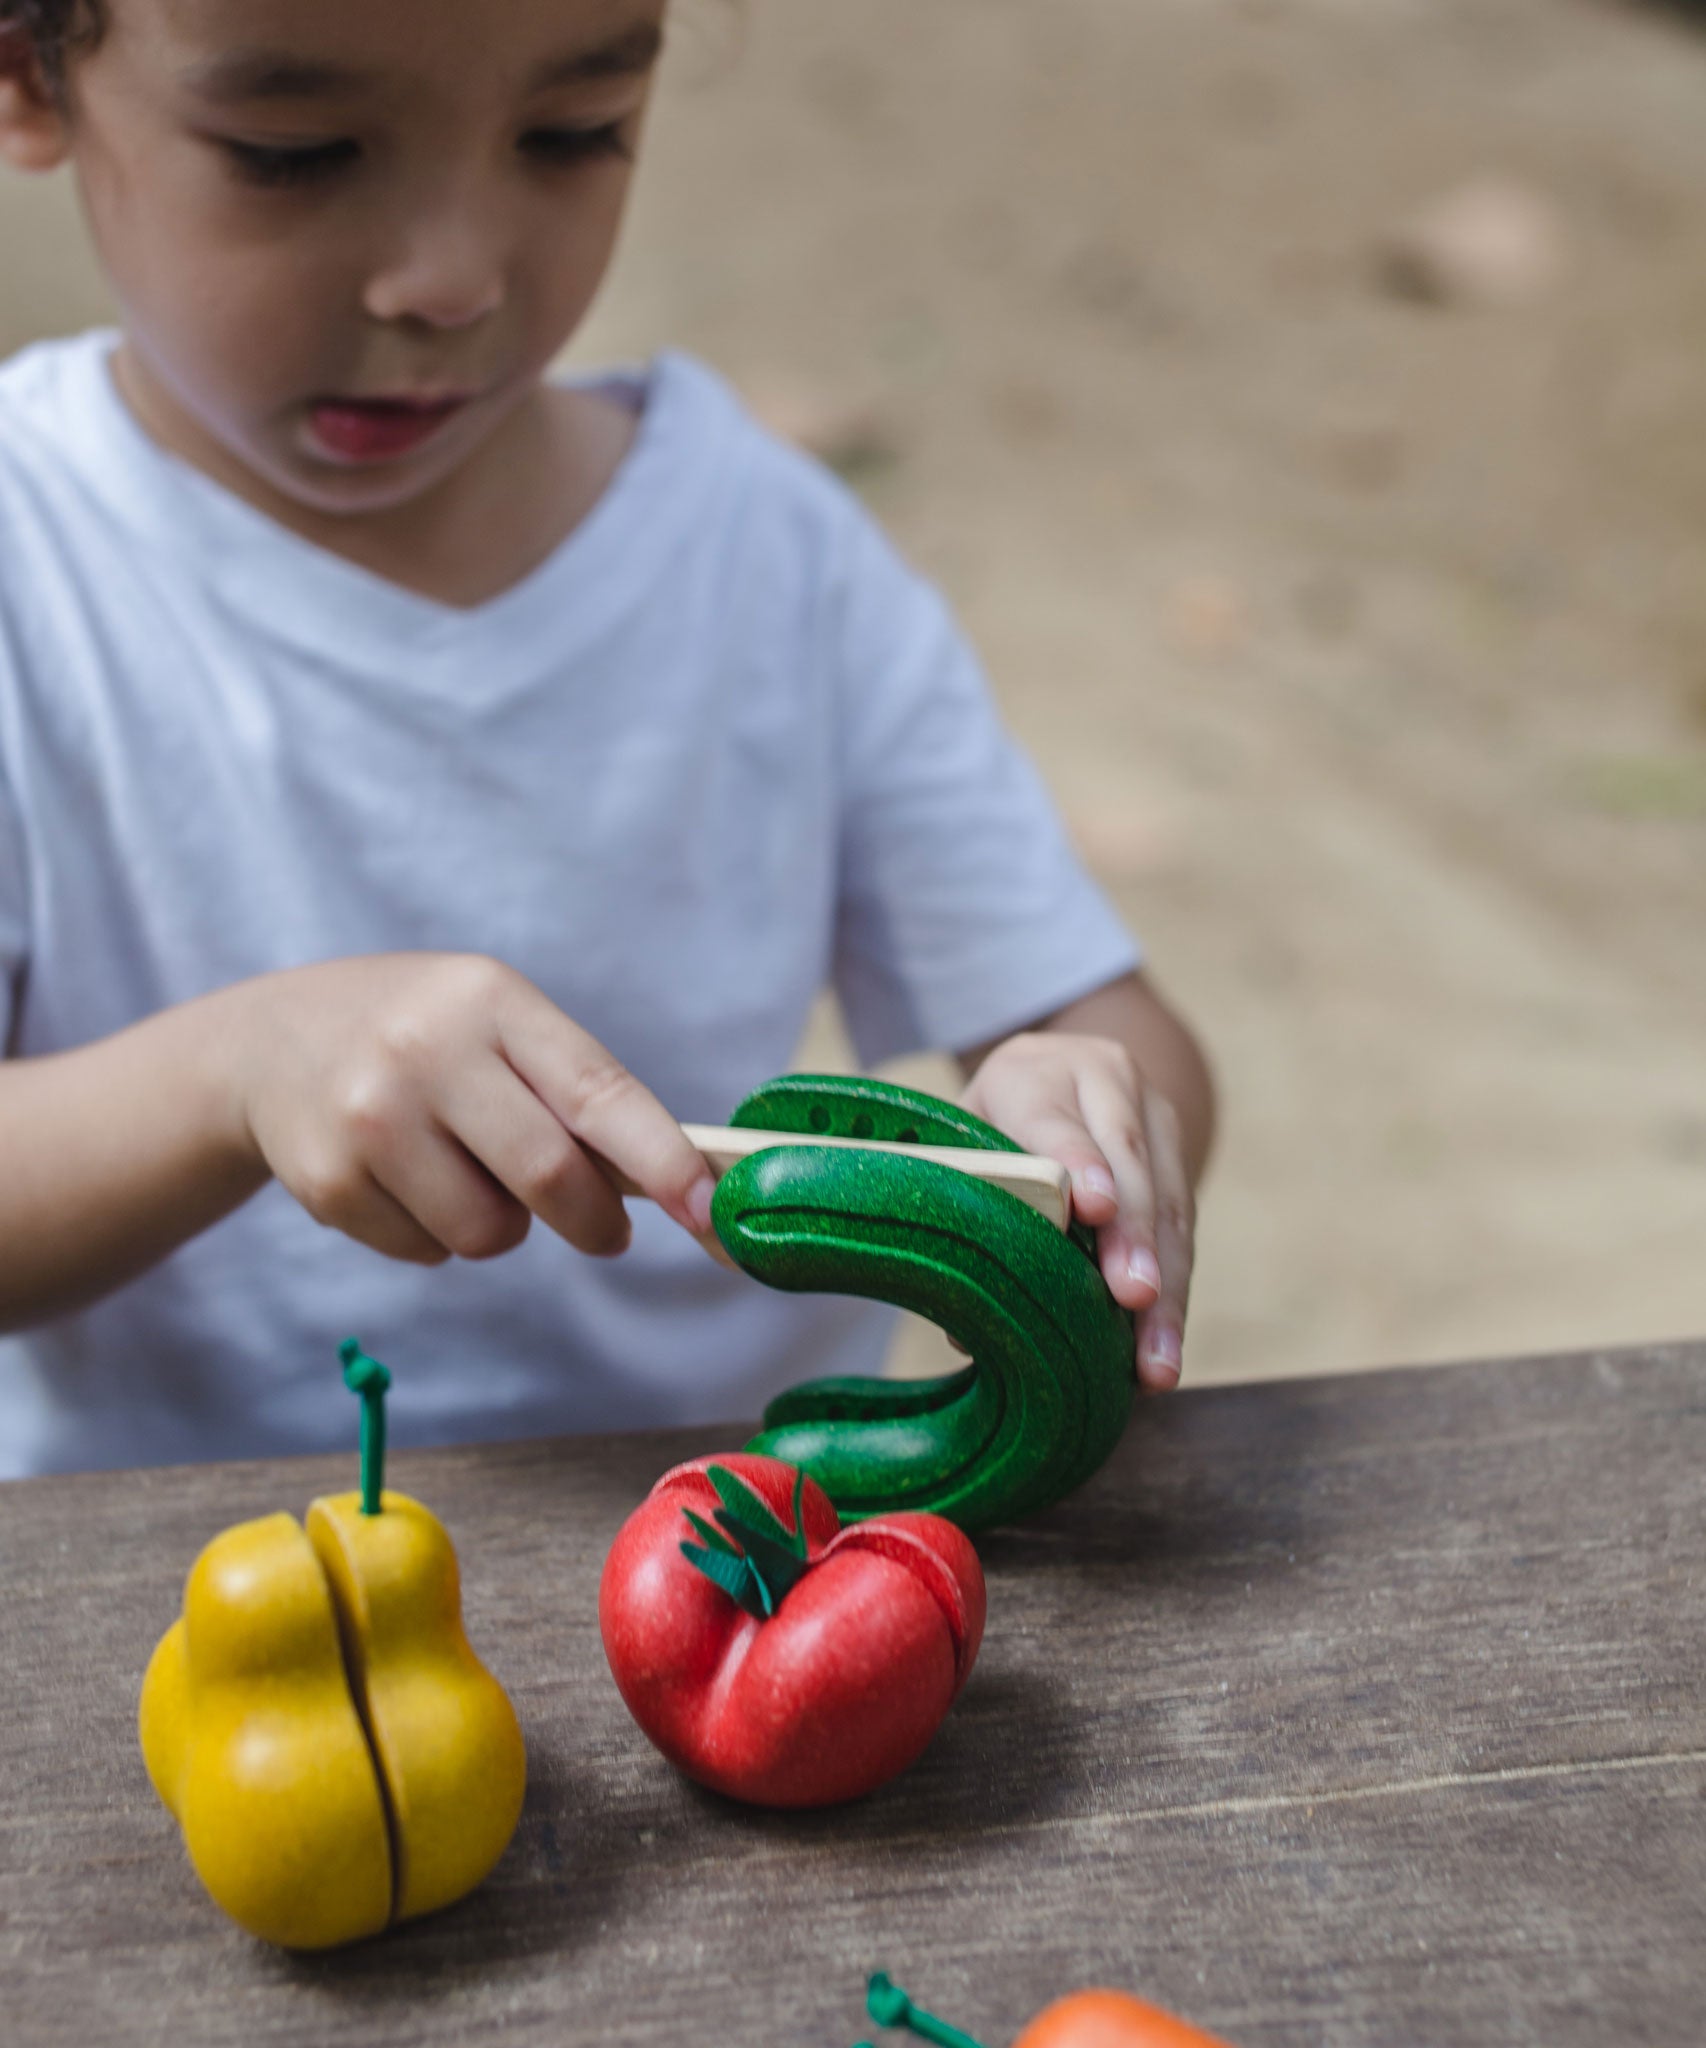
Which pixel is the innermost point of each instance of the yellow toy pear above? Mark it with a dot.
(337, 1756)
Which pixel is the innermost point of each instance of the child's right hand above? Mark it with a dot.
(431, 1103)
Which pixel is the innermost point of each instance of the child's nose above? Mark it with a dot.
(449, 272)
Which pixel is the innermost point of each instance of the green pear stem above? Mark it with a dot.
(368, 1378)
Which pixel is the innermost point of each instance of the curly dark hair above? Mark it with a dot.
(52, 29)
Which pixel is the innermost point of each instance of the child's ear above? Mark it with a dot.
(34, 132)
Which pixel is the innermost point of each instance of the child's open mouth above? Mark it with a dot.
(354, 430)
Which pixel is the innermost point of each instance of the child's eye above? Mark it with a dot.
(575, 145)
(268, 163)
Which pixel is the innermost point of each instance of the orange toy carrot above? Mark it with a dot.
(1083, 2019)
(1111, 2019)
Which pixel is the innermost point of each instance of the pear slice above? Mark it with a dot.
(450, 1750)
(254, 1745)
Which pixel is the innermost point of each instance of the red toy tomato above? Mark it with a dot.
(772, 1654)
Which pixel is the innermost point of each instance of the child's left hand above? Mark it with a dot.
(1084, 1100)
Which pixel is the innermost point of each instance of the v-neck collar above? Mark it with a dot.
(286, 587)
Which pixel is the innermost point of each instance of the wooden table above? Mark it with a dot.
(1344, 1711)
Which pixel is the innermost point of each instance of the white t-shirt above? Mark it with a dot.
(721, 749)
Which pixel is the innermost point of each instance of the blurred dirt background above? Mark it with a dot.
(1304, 402)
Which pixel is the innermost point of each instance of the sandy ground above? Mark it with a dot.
(1363, 640)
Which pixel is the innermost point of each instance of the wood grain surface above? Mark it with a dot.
(1339, 1711)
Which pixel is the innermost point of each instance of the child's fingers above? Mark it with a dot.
(1064, 1138)
(527, 1157)
(359, 1207)
(1037, 1105)
(1161, 1339)
(447, 1190)
(594, 1097)
(393, 1231)
(1130, 1258)
(1083, 1101)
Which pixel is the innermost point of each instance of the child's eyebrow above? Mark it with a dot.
(633, 51)
(268, 75)
(248, 75)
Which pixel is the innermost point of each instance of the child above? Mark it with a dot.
(422, 783)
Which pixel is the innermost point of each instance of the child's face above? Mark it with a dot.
(349, 235)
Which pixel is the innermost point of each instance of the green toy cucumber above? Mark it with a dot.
(1049, 1389)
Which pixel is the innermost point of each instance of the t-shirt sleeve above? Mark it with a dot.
(963, 911)
(14, 903)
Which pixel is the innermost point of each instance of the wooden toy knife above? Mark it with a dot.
(1042, 1183)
